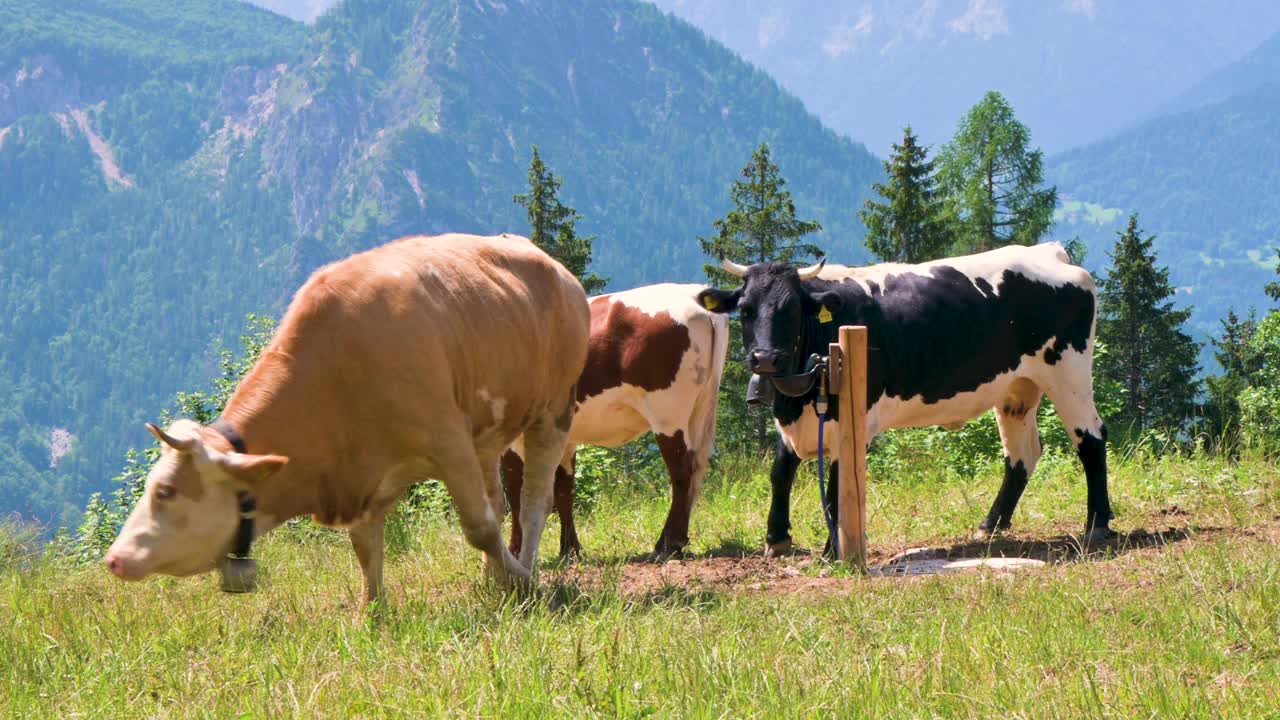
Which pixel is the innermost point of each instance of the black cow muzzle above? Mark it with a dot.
(766, 362)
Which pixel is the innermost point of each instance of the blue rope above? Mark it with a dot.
(832, 537)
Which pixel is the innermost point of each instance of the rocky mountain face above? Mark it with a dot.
(426, 127)
(38, 86)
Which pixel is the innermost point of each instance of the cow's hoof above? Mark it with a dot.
(780, 548)
(506, 574)
(570, 555)
(986, 532)
(1097, 536)
(664, 551)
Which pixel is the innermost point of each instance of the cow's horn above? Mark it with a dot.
(733, 267)
(808, 273)
(171, 441)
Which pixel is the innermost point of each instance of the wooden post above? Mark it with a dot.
(852, 519)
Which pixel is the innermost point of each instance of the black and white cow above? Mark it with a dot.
(947, 341)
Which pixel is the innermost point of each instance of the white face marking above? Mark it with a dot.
(186, 518)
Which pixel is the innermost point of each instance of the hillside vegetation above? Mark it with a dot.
(1203, 181)
(167, 168)
(117, 265)
(1179, 618)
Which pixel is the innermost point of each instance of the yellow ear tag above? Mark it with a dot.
(710, 302)
(824, 315)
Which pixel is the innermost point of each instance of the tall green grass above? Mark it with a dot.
(1191, 629)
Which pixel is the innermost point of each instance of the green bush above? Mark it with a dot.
(1260, 404)
(596, 471)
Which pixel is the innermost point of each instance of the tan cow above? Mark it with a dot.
(654, 363)
(424, 358)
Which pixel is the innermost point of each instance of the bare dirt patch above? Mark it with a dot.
(804, 571)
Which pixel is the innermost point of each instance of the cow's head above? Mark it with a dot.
(186, 519)
(774, 307)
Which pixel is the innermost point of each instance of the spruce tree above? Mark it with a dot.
(1149, 355)
(551, 225)
(909, 226)
(991, 178)
(1240, 363)
(761, 227)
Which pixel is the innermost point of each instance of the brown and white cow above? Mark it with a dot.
(423, 358)
(655, 361)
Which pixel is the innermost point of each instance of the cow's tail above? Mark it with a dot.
(705, 408)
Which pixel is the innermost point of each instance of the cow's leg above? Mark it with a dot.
(1073, 401)
(680, 466)
(1020, 435)
(490, 468)
(367, 541)
(544, 444)
(512, 466)
(565, 490)
(469, 482)
(781, 478)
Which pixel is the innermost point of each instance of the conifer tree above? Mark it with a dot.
(1240, 363)
(1149, 355)
(551, 225)
(761, 227)
(909, 226)
(991, 178)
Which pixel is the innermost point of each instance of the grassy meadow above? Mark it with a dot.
(1179, 618)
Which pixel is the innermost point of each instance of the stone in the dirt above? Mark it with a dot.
(923, 561)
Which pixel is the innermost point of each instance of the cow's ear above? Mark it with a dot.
(249, 469)
(720, 301)
(829, 301)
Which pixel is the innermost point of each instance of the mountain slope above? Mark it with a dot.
(107, 246)
(1076, 70)
(1257, 68)
(431, 128)
(1203, 180)
(200, 175)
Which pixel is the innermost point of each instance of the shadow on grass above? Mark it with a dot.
(1064, 548)
(728, 548)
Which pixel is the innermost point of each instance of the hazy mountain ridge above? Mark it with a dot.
(1257, 68)
(1077, 71)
